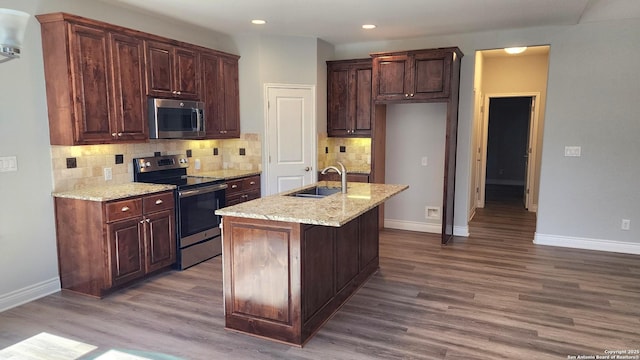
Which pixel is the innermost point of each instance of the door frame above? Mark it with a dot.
(266, 163)
(533, 145)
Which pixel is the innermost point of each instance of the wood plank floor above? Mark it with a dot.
(493, 295)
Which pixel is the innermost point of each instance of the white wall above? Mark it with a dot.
(413, 132)
(592, 92)
(28, 258)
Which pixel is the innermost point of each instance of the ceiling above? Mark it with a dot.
(339, 21)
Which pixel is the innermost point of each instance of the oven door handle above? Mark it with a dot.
(201, 190)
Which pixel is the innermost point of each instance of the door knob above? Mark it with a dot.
(307, 168)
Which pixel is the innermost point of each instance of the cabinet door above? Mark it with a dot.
(392, 77)
(126, 250)
(187, 72)
(362, 101)
(369, 241)
(211, 94)
(347, 245)
(430, 78)
(338, 101)
(230, 98)
(160, 240)
(159, 69)
(318, 276)
(90, 73)
(129, 101)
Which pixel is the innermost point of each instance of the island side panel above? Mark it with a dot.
(262, 278)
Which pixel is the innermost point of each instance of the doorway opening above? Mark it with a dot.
(509, 101)
(508, 148)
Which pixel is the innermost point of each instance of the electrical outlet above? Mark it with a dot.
(432, 212)
(108, 174)
(626, 224)
(425, 161)
(197, 164)
(8, 163)
(572, 151)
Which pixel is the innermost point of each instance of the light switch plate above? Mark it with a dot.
(572, 151)
(8, 163)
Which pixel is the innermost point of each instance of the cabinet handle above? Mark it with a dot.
(141, 221)
(158, 202)
(148, 220)
(234, 186)
(252, 183)
(119, 134)
(113, 134)
(174, 92)
(179, 92)
(125, 209)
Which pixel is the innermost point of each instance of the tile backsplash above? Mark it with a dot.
(91, 160)
(356, 155)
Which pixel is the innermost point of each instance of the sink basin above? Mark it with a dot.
(316, 192)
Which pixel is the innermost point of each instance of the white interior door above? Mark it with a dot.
(290, 135)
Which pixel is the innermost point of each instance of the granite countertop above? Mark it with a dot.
(113, 192)
(333, 210)
(227, 174)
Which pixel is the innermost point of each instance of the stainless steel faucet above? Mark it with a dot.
(343, 175)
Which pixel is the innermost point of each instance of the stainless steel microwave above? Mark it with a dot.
(176, 119)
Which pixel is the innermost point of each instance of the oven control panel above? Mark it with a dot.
(158, 163)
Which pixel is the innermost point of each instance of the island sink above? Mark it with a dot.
(316, 192)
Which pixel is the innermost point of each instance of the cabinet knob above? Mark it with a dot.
(141, 221)
(119, 134)
(114, 134)
(234, 186)
(406, 95)
(125, 209)
(159, 201)
(411, 95)
(252, 183)
(148, 220)
(174, 92)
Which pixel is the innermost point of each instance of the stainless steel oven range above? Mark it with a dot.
(197, 199)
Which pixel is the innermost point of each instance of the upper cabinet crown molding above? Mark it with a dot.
(414, 76)
(98, 76)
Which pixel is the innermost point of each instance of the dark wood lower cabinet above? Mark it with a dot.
(105, 245)
(284, 280)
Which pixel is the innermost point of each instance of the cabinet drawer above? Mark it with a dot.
(251, 183)
(158, 202)
(124, 209)
(234, 186)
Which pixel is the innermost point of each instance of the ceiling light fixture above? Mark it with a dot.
(368, 26)
(12, 26)
(258, 22)
(515, 50)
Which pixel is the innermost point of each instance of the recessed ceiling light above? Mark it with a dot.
(515, 50)
(258, 22)
(368, 26)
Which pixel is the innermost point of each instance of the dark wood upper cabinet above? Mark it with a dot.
(95, 82)
(418, 76)
(129, 102)
(220, 93)
(349, 100)
(98, 76)
(172, 71)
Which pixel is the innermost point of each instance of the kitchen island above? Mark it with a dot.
(290, 262)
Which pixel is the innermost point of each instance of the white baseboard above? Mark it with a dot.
(461, 231)
(423, 227)
(587, 244)
(29, 293)
(412, 226)
(504, 182)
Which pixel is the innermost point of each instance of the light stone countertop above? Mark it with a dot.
(227, 174)
(113, 192)
(333, 210)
